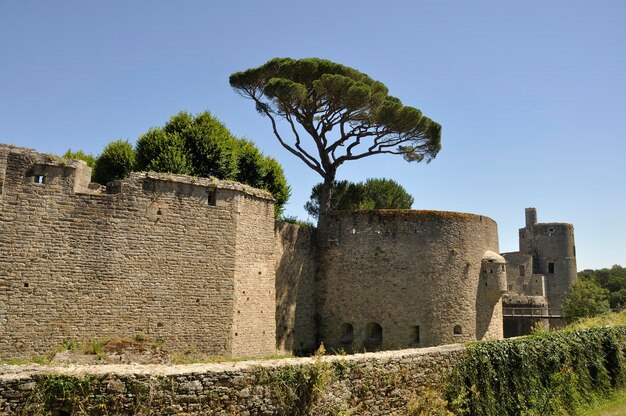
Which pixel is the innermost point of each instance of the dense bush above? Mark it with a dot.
(201, 145)
(546, 374)
(117, 161)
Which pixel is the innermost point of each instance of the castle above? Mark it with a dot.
(200, 265)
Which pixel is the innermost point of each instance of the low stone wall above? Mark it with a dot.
(364, 384)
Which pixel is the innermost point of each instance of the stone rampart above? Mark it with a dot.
(186, 261)
(364, 384)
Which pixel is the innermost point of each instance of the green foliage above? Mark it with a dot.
(585, 299)
(159, 152)
(292, 219)
(548, 374)
(607, 319)
(117, 161)
(80, 155)
(84, 396)
(297, 388)
(428, 403)
(345, 114)
(613, 280)
(275, 182)
(201, 145)
(371, 194)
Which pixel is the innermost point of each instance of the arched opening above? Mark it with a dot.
(458, 330)
(373, 337)
(347, 335)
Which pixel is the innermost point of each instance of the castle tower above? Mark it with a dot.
(553, 251)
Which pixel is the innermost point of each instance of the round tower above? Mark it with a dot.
(400, 278)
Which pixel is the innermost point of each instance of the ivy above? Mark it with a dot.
(545, 374)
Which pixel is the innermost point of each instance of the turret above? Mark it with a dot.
(493, 274)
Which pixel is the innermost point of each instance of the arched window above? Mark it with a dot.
(347, 334)
(458, 330)
(373, 336)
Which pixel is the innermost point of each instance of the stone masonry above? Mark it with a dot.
(198, 264)
(187, 261)
(384, 383)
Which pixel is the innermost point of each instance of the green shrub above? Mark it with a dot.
(546, 374)
(116, 162)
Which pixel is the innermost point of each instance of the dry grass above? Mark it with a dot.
(609, 319)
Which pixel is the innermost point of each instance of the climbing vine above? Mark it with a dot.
(546, 374)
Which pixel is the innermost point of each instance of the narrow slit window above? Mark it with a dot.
(415, 335)
(40, 179)
(522, 270)
(212, 197)
(550, 267)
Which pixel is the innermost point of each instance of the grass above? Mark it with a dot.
(614, 406)
(613, 318)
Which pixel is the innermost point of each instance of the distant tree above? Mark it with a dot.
(117, 161)
(371, 194)
(335, 114)
(201, 145)
(80, 155)
(585, 299)
(613, 280)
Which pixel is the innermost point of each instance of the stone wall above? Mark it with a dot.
(158, 255)
(553, 244)
(363, 384)
(295, 289)
(394, 279)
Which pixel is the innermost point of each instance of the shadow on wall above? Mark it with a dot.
(295, 289)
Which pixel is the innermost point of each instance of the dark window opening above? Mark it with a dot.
(458, 330)
(574, 249)
(40, 179)
(415, 335)
(373, 336)
(347, 335)
(26, 284)
(522, 270)
(212, 197)
(550, 267)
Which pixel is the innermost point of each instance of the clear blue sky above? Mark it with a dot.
(530, 94)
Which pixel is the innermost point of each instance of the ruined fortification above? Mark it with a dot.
(539, 274)
(198, 264)
(185, 260)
